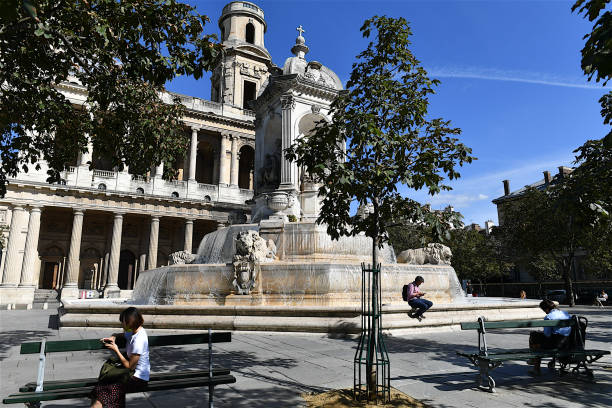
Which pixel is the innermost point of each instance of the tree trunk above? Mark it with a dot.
(567, 278)
(372, 335)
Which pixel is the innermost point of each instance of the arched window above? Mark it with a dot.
(175, 194)
(140, 190)
(102, 186)
(249, 94)
(207, 199)
(245, 167)
(250, 33)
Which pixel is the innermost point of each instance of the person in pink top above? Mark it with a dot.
(415, 298)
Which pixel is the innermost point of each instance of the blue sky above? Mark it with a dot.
(510, 73)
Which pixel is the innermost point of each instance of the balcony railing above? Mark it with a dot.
(104, 173)
(139, 179)
(177, 183)
(209, 187)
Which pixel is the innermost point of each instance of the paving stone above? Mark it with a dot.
(273, 369)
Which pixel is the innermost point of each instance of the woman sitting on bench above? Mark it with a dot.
(111, 395)
(552, 337)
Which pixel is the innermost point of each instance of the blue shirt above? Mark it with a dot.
(557, 314)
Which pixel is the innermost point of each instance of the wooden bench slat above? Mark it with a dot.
(517, 324)
(86, 382)
(56, 346)
(82, 392)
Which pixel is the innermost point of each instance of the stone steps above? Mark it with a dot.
(293, 319)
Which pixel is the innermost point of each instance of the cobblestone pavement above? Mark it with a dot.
(272, 370)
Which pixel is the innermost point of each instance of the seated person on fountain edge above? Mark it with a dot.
(415, 299)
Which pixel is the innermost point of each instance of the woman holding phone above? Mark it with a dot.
(136, 361)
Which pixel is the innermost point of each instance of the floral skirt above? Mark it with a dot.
(113, 395)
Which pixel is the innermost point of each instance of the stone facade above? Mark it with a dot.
(100, 227)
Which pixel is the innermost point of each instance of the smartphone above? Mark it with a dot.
(108, 341)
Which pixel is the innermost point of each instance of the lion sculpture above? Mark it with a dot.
(433, 254)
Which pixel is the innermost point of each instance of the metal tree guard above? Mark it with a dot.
(371, 358)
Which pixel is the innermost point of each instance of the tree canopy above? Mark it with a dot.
(380, 137)
(596, 59)
(123, 53)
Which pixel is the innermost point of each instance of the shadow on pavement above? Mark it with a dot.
(14, 338)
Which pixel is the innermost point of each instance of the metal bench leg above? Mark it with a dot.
(211, 388)
(484, 377)
(33, 404)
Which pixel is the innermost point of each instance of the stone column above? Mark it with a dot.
(12, 268)
(234, 162)
(142, 263)
(70, 289)
(153, 240)
(112, 288)
(159, 170)
(28, 274)
(188, 235)
(193, 154)
(86, 156)
(288, 168)
(223, 159)
(5, 235)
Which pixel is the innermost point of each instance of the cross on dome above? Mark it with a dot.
(300, 30)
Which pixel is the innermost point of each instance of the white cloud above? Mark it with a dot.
(456, 200)
(493, 74)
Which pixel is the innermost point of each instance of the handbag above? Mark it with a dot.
(113, 372)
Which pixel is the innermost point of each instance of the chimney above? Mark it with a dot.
(506, 187)
(563, 171)
(547, 177)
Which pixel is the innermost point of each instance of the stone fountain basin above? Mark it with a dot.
(288, 284)
(313, 319)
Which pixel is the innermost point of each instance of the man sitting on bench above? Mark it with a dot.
(415, 301)
(552, 337)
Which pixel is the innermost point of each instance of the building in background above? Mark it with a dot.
(100, 227)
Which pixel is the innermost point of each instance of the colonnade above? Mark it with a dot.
(228, 144)
(24, 274)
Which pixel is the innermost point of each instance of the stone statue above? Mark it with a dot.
(434, 254)
(270, 172)
(294, 208)
(181, 257)
(271, 255)
(251, 250)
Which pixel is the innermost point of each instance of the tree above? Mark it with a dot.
(123, 53)
(476, 256)
(554, 226)
(380, 137)
(597, 52)
(407, 235)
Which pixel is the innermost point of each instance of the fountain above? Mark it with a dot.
(282, 271)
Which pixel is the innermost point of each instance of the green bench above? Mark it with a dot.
(485, 361)
(33, 393)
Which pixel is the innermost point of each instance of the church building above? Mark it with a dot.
(99, 228)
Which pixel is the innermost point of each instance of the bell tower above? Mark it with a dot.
(244, 67)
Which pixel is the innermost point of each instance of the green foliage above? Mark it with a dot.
(292, 218)
(597, 51)
(549, 227)
(123, 53)
(435, 228)
(379, 138)
(477, 256)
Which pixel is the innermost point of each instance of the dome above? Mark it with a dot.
(313, 71)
